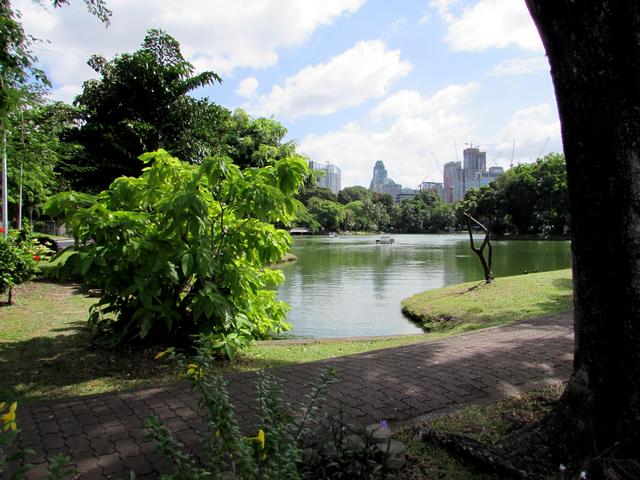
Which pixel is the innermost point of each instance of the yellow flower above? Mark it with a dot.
(259, 438)
(163, 353)
(9, 418)
(2, 405)
(194, 371)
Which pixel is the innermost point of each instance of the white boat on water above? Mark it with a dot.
(384, 240)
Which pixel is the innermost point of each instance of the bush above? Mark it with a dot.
(183, 249)
(19, 257)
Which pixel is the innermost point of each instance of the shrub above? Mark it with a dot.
(19, 257)
(183, 249)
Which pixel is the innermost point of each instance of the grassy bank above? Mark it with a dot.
(474, 305)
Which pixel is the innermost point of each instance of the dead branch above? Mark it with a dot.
(486, 264)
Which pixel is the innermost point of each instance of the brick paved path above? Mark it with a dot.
(104, 434)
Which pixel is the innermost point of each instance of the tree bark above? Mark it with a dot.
(594, 53)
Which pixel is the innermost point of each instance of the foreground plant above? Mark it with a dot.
(184, 249)
(276, 449)
(59, 465)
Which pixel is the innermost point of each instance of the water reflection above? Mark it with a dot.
(349, 286)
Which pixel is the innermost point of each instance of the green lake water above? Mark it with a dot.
(350, 286)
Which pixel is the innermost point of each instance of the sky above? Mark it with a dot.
(411, 83)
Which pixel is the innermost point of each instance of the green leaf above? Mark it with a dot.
(187, 264)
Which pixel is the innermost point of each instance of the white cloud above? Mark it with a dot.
(536, 131)
(418, 125)
(363, 72)
(489, 24)
(520, 66)
(215, 34)
(247, 87)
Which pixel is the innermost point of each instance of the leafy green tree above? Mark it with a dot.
(255, 142)
(193, 243)
(414, 216)
(327, 213)
(35, 151)
(428, 197)
(352, 194)
(309, 193)
(141, 103)
(306, 220)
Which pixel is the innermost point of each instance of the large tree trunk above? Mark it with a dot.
(594, 53)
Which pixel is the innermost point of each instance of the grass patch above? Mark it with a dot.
(490, 424)
(469, 306)
(46, 349)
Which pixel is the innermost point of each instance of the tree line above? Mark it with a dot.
(527, 199)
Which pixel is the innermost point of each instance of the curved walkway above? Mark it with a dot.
(104, 434)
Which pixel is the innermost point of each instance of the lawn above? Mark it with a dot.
(469, 306)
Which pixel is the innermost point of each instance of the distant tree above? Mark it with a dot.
(351, 194)
(428, 197)
(327, 213)
(309, 193)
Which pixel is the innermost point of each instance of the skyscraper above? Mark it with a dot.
(379, 176)
(331, 177)
(473, 174)
(381, 183)
(452, 181)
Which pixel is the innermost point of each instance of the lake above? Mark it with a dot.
(350, 286)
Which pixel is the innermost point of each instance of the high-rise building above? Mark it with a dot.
(452, 181)
(330, 178)
(458, 180)
(379, 176)
(381, 183)
(474, 159)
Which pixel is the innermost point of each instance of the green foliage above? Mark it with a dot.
(192, 244)
(141, 103)
(275, 452)
(529, 198)
(19, 257)
(327, 213)
(353, 194)
(255, 142)
(34, 149)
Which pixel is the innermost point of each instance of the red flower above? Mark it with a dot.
(36, 258)
(1, 230)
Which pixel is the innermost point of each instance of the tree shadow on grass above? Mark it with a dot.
(66, 364)
(69, 364)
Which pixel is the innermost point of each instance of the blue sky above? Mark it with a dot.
(354, 81)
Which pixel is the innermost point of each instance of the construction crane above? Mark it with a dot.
(513, 152)
(436, 159)
(543, 147)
